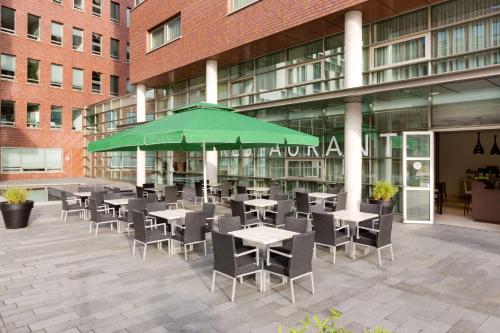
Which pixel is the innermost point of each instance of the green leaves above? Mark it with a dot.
(16, 195)
(383, 190)
(327, 325)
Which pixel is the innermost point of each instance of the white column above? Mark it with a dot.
(353, 77)
(141, 117)
(211, 97)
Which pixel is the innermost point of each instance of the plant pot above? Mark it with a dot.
(387, 205)
(16, 216)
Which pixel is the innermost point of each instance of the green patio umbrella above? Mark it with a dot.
(200, 127)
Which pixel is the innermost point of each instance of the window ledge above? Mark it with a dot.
(163, 45)
(39, 40)
(241, 8)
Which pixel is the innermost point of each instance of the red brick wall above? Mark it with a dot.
(23, 48)
(208, 30)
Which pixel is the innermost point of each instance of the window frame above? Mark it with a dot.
(12, 123)
(82, 8)
(53, 83)
(28, 124)
(95, 6)
(165, 26)
(28, 35)
(27, 71)
(59, 109)
(19, 169)
(232, 9)
(7, 30)
(52, 41)
(72, 39)
(73, 128)
(95, 44)
(111, 4)
(6, 76)
(95, 91)
(111, 55)
(73, 86)
(117, 92)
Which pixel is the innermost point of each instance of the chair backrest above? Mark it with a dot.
(241, 197)
(195, 231)
(229, 223)
(299, 189)
(225, 189)
(94, 214)
(224, 251)
(333, 190)
(139, 227)
(151, 197)
(238, 209)
(148, 185)
(179, 186)
(385, 230)
(98, 197)
(370, 208)
(240, 189)
(140, 192)
(198, 189)
(302, 202)
(317, 209)
(116, 190)
(278, 196)
(297, 224)
(112, 195)
(208, 209)
(323, 224)
(302, 254)
(171, 194)
(64, 197)
(156, 206)
(139, 205)
(284, 207)
(341, 201)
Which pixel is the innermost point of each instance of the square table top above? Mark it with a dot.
(117, 202)
(322, 195)
(258, 189)
(171, 214)
(263, 235)
(353, 216)
(262, 203)
(82, 194)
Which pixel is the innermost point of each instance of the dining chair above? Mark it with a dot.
(379, 238)
(327, 234)
(276, 218)
(191, 233)
(152, 234)
(99, 217)
(247, 218)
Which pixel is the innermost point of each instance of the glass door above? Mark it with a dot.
(418, 177)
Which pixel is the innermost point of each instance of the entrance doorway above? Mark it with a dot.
(467, 170)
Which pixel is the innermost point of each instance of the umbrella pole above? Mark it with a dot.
(205, 198)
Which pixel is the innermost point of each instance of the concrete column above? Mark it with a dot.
(353, 77)
(141, 117)
(211, 97)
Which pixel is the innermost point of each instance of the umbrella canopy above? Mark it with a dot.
(216, 126)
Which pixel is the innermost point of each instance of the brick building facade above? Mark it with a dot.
(41, 47)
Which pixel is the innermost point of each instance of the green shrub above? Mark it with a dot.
(383, 190)
(16, 195)
(328, 325)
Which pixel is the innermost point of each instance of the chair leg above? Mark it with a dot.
(234, 290)
(90, 227)
(334, 253)
(314, 251)
(392, 253)
(353, 250)
(312, 283)
(213, 282)
(96, 228)
(62, 212)
(291, 291)
(185, 253)
(133, 248)
(205, 247)
(144, 252)
(66, 216)
(379, 258)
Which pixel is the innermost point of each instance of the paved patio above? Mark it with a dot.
(54, 277)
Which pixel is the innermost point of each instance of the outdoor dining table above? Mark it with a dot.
(173, 216)
(321, 196)
(260, 205)
(263, 237)
(258, 190)
(120, 203)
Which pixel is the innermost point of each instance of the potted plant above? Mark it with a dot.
(16, 211)
(383, 194)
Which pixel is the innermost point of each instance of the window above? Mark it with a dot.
(7, 113)
(8, 20)
(56, 35)
(8, 66)
(77, 119)
(77, 82)
(33, 115)
(128, 17)
(128, 52)
(114, 11)
(55, 116)
(114, 85)
(56, 75)
(138, 2)
(77, 39)
(166, 33)
(238, 4)
(78, 4)
(130, 87)
(304, 73)
(114, 48)
(32, 159)
(96, 82)
(33, 27)
(96, 43)
(33, 71)
(96, 7)
(400, 53)
(400, 25)
(57, 1)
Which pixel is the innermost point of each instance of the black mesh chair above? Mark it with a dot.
(247, 218)
(302, 205)
(224, 193)
(148, 185)
(294, 265)
(294, 224)
(378, 238)
(99, 200)
(192, 232)
(373, 209)
(229, 263)
(151, 197)
(71, 205)
(171, 196)
(139, 191)
(241, 197)
(232, 223)
(330, 202)
(156, 207)
(339, 203)
(277, 218)
(98, 217)
(198, 190)
(209, 210)
(179, 188)
(273, 190)
(112, 196)
(240, 189)
(152, 234)
(133, 204)
(327, 234)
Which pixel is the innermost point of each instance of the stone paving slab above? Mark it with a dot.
(55, 277)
